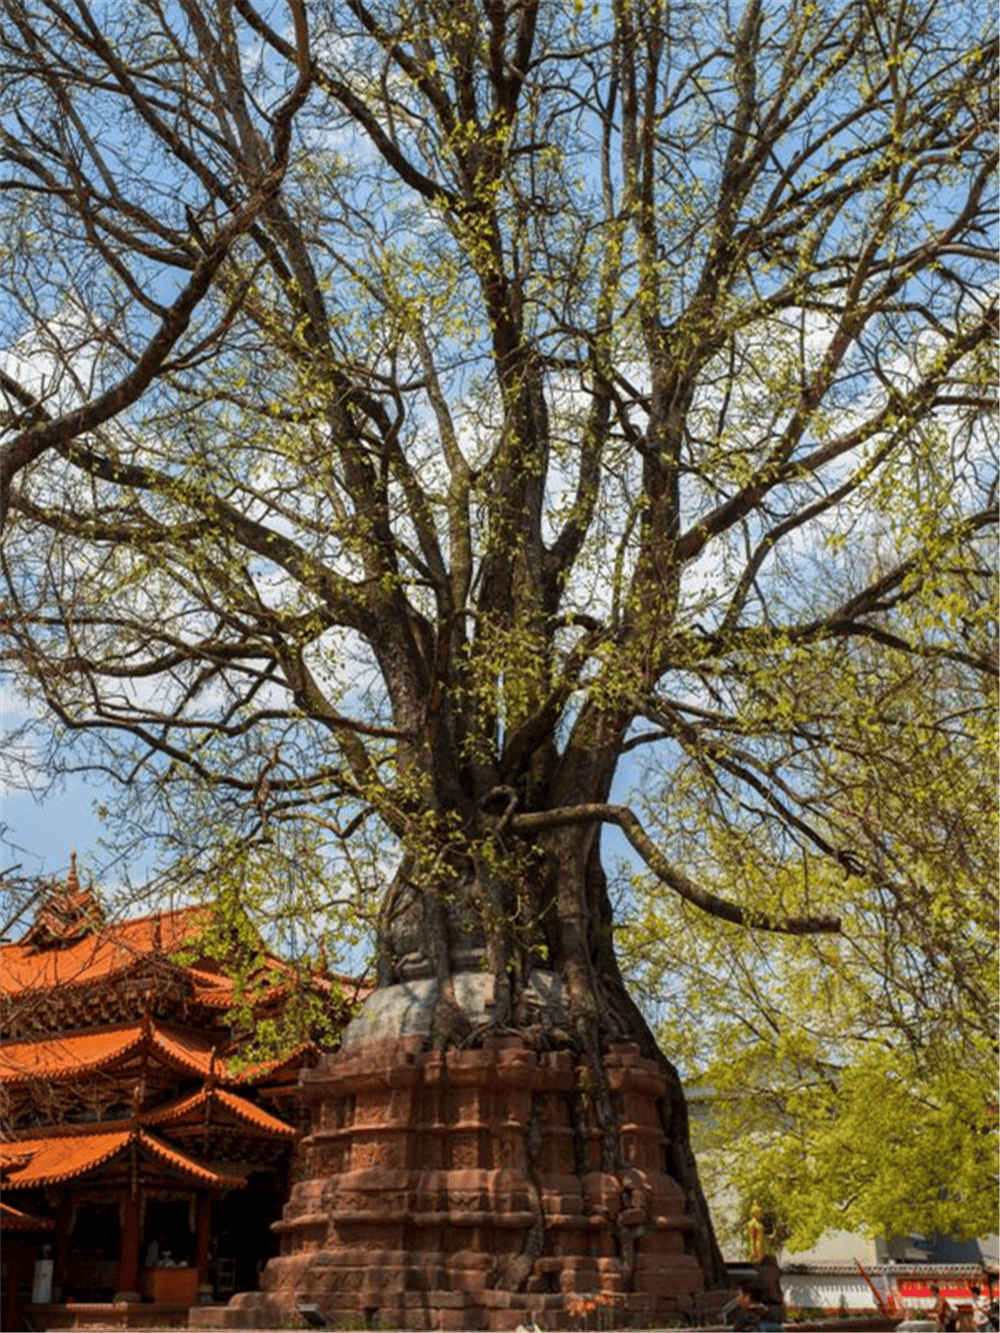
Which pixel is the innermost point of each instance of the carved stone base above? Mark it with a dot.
(464, 1189)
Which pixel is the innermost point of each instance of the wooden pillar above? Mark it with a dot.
(128, 1257)
(14, 1255)
(65, 1215)
(202, 1236)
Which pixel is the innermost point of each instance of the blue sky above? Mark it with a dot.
(41, 834)
(40, 829)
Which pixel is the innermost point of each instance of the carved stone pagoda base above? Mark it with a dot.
(463, 1189)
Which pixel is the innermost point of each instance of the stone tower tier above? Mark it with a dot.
(464, 1189)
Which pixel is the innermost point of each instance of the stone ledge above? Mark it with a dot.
(407, 1009)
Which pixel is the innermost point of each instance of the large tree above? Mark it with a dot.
(416, 412)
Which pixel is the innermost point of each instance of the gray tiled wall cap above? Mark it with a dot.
(406, 1010)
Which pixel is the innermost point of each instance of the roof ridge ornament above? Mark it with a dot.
(65, 915)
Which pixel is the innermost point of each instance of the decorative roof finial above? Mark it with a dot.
(72, 880)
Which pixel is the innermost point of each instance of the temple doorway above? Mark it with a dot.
(94, 1247)
(242, 1239)
(167, 1236)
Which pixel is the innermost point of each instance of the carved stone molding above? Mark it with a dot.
(461, 1189)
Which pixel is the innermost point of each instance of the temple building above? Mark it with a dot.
(143, 1160)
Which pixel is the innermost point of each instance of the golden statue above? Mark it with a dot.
(757, 1234)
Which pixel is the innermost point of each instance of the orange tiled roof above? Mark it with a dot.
(84, 952)
(12, 1219)
(102, 955)
(12, 1159)
(188, 1050)
(237, 1107)
(268, 1068)
(111, 950)
(65, 915)
(217, 990)
(69, 1155)
(181, 1162)
(254, 1115)
(75, 1054)
(55, 1159)
(69, 1055)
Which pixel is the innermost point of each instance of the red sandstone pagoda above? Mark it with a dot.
(138, 1154)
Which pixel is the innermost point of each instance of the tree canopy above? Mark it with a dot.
(437, 432)
(849, 1082)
